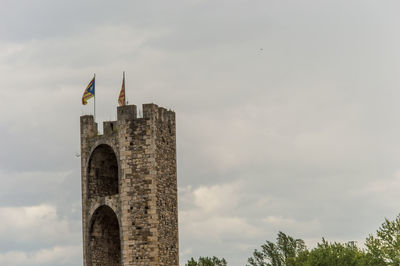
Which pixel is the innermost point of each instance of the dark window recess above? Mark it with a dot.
(102, 175)
(104, 246)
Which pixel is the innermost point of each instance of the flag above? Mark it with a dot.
(121, 98)
(89, 92)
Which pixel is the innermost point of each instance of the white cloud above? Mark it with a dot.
(39, 224)
(217, 198)
(209, 212)
(38, 235)
(208, 216)
(58, 255)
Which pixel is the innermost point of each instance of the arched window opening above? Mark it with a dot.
(102, 172)
(104, 240)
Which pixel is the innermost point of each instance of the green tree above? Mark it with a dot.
(293, 252)
(286, 251)
(206, 261)
(327, 254)
(384, 248)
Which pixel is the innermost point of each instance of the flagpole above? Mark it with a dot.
(95, 97)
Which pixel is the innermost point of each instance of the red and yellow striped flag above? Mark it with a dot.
(121, 98)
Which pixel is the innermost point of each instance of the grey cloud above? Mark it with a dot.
(297, 102)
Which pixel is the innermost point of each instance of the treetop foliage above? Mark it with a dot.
(380, 249)
(206, 261)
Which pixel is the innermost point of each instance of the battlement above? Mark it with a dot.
(151, 111)
(127, 112)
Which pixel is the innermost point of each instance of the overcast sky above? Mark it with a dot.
(287, 116)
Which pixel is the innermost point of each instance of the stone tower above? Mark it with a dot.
(129, 189)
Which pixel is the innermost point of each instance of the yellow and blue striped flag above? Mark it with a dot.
(89, 92)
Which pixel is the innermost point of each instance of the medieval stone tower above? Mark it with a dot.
(129, 189)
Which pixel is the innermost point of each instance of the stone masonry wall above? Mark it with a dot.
(146, 201)
(166, 187)
(137, 192)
